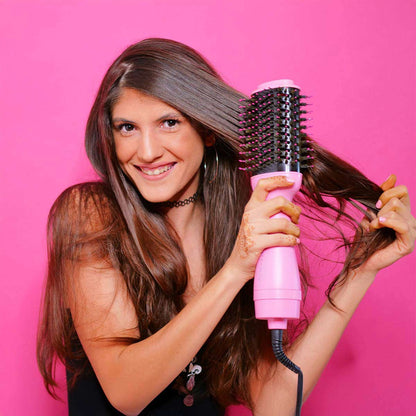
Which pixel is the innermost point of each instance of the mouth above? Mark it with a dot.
(155, 171)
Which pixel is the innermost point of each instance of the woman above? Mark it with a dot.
(150, 271)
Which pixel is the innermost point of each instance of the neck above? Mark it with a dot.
(187, 219)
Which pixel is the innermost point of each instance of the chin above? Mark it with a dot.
(157, 198)
(154, 200)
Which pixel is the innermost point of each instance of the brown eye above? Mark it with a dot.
(170, 123)
(125, 129)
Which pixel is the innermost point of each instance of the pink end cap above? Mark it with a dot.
(277, 323)
(278, 83)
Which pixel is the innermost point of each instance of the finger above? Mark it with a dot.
(399, 192)
(388, 183)
(365, 224)
(281, 205)
(391, 220)
(395, 205)
(279, 240)
(278, 225)
(265, 185)
(405, 231)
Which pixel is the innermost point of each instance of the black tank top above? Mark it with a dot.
(87, 398)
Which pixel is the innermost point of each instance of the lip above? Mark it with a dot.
(140, 168)
(154, 165)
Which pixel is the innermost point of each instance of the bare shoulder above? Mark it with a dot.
(84, 207)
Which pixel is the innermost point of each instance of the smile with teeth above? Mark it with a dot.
(157, 171)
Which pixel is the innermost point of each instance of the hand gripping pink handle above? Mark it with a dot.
(277, 289)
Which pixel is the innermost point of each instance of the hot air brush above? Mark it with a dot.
(273, 144)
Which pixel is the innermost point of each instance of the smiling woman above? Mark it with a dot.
(157, 147)
(148, 301)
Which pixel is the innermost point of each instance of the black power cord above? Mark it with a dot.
(277, 335)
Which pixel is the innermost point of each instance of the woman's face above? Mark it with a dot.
(156, 146)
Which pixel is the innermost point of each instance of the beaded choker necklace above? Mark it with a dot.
(182, 203)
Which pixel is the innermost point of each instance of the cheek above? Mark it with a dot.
(195, 149)
(124, 151)
(195, 156)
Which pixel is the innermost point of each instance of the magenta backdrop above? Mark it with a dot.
(355, 58)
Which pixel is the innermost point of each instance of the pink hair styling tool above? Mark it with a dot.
(273, 144)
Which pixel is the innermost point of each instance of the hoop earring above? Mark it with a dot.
(216, 166)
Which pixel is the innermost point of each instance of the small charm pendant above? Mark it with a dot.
(188, 400)
(190, 384)
(193, 369)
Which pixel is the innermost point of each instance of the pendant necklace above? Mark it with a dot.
(192, 371)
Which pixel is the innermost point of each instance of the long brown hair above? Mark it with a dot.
(109, 219)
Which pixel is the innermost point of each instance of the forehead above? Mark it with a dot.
(131, 101)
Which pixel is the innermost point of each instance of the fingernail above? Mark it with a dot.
(388, 177)
(297, 241)
(382, 219)
(379, 204)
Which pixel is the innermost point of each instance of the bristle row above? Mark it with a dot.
(272, 132)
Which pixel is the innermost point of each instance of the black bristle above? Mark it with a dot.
(272, 132)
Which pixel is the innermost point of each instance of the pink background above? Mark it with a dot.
(355, 58)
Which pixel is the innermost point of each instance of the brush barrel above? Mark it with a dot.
(277, 288)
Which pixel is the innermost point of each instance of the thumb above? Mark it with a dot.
(388, 183)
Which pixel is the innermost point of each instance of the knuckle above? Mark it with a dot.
(280, 201)
(285, 225)
(393, 215)
(262, 183)
(403, 189)
(287, 239)
(395, 202)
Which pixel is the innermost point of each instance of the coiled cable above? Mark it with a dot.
(277, 345)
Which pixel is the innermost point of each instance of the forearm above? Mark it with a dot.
(143, 370)
(313, 349)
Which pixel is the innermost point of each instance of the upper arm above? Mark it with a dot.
(102, 311)
(83, 234)
(272, 387)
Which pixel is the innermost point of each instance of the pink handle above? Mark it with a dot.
(277, 289)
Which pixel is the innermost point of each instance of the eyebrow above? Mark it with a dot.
(170, 115)
(164, 117)
(124, 120)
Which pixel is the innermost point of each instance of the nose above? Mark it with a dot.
(149, 148)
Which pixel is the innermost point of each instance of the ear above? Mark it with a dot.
(209, 140)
